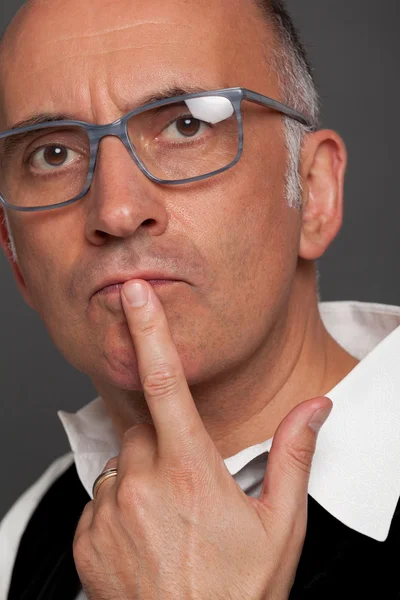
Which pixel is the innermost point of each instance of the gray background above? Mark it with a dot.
(355, 48)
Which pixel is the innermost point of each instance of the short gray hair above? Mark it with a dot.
(296, 81)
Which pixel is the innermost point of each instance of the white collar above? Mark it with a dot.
(356, 468)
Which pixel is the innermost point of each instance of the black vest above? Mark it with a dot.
(336, 563)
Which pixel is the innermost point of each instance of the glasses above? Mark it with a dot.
(176, 140)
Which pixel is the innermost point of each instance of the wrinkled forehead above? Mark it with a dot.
(70, 57)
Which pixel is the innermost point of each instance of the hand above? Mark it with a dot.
(174, 524)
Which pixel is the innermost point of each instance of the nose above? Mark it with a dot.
(122, 200)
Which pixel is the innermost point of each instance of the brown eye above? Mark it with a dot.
(187, 126)
(49, 158)
(55, 156)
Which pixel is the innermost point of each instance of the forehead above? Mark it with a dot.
(68, 56)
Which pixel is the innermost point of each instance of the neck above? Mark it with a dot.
(297, 360)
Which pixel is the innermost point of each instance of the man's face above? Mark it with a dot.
(231, 238)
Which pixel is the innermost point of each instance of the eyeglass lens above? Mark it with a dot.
(176, 141)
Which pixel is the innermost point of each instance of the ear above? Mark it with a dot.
(5, 244)
(323, 167)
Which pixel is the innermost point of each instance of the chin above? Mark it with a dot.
(120, 370)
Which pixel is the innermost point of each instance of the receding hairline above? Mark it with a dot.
(16, 28)
(264, 7)
(273, 16)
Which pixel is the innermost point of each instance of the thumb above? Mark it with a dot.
(285, 485)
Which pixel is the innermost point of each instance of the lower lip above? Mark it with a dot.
(112, 289)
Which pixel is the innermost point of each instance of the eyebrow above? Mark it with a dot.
(164, 94)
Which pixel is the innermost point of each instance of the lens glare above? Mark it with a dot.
(188, 139)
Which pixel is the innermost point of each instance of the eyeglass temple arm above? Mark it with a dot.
(275, 105)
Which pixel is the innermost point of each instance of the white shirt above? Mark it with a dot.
(355, 474)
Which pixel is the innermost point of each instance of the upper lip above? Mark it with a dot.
(116, 279)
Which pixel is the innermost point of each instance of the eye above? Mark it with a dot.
(185, 127)
(51, 157)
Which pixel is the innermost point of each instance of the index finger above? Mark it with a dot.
(175, 416)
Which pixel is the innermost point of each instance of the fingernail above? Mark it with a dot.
(136, 294)
(319, 418)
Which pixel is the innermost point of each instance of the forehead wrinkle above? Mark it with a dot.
(119, 29)
(106, 46)
(216, 58)
(22, 26)
(79, 55)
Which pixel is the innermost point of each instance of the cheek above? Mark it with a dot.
(250, 238)
(260, 234)
(268, 230)
(261, 245)
(46, 253)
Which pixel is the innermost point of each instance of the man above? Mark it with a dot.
(223, 348)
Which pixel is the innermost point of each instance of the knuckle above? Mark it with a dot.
(104, 520)
(148, 327)
(301, 455)
(132, 434)
(125, 492)
(132, 492)
(111, 464)
(103, 515)
(162, 380)
(81, 549)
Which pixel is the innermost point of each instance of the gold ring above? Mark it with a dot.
(102, 478)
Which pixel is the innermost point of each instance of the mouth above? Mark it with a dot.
(116, 287)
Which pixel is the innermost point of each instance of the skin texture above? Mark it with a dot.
(246, 323)
(208, 366)
(173, 523)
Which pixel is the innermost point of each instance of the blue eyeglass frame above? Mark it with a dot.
(119, 129)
